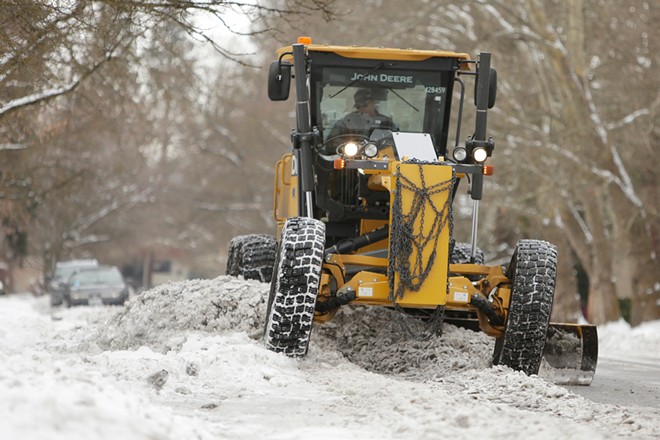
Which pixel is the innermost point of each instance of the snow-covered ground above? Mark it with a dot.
(185, 361)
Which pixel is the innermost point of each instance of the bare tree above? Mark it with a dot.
(35, 29)
(76, 129)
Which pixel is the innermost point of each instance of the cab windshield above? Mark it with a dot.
(361, 100)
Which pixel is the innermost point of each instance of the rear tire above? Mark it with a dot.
(461, 254)
(533, 272)
(252, 257)
(294, 287)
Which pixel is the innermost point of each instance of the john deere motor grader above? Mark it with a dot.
(363, 204)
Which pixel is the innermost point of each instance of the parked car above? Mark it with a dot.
(63, 270)
(96, 285)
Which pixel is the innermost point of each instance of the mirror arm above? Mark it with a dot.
(279, 65)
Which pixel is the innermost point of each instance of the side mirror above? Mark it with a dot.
(492, 87)
(279, 80)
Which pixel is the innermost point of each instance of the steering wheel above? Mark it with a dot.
(331, 145)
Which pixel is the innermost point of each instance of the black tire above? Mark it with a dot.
(252, 257)
(461, 254)
(533, 273)
(294, 287)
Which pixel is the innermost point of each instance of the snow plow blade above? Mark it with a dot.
(571, 354)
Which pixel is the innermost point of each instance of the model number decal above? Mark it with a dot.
(436, 90)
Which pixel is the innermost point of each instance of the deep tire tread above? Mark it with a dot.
(461, 254)
(533, 271)
(294, 287)
(252, 257)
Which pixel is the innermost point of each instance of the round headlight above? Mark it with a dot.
(350, 149)
(479, 154)
(370, 150)
(460, 154)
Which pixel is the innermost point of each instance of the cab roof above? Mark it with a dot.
(378, 53)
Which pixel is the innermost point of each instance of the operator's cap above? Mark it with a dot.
(362, 96)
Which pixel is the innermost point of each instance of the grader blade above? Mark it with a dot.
(571, 354)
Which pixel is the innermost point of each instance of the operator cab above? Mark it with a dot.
(367, 105)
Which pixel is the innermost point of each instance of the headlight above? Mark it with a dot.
(350, 149)
(370, 150)
(479, 154)
(460, 154)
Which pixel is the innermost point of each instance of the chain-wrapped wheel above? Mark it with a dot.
(252, 257)
(533, 272)
(295, 286)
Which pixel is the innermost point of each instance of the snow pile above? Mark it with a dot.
(374, 338)
(160, 317)
(619, 339)
(387, 341)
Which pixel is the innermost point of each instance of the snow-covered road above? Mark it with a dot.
(184, 361)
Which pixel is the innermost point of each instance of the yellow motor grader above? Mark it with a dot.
(363, 204)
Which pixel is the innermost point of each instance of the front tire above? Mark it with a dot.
(295, 286)
(533, 272)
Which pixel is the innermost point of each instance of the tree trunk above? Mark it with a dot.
(645, 295)
(603, 304)
(566, 305)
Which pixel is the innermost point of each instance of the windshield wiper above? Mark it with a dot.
(378, 66)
